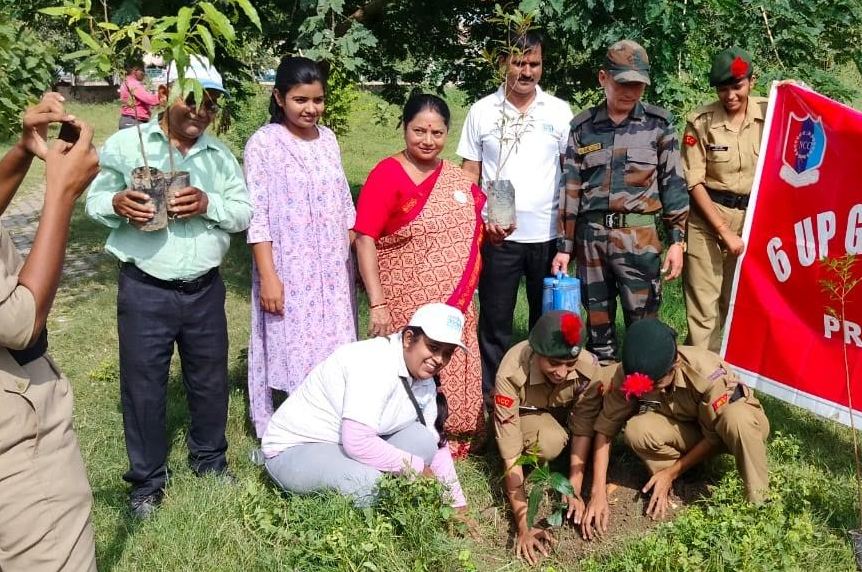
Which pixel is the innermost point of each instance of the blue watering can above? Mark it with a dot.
(561, 292)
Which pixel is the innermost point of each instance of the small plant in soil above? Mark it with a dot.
(192, 33)
(545, 484)
(510, 127)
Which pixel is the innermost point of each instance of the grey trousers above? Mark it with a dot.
(319, 466)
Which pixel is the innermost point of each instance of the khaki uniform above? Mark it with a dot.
(45, 499)
(530, 411)
(705, 401)
(723, 159)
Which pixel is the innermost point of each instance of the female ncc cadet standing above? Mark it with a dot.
(719, 152)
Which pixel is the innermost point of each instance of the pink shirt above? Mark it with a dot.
(144, 100)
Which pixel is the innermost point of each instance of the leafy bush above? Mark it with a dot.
(406, 531)
(26, 71)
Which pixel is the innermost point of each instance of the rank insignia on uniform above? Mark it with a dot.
(589, 148)
(690, 140)
(712, 147)
(504, 400)
(720, 402)
(717, 373)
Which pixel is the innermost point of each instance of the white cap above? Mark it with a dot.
(440, 322)
(200, 69)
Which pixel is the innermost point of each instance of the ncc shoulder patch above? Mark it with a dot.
(690, 140)
(589, 148)
(504, 400)
(720, 402)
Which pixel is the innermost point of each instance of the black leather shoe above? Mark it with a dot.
(143, 508)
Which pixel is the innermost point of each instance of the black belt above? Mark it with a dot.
(184, 286)
(34, 352)
(618, 220)
(729, 200)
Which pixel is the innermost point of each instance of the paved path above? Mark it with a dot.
(21, 219)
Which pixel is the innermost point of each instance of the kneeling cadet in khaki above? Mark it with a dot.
(683, 404)
(543, 384)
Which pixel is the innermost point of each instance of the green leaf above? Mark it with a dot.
(250, 12)
(56, 11)
(561, 484)
(533, 502)
(88, 40)
(221, 26)
(528, 5)
(108, 26)
(207, 40)
(184, 16)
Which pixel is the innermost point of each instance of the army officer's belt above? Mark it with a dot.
(618, 220)
(729, 200)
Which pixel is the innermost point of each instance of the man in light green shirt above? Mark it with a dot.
(169, 290)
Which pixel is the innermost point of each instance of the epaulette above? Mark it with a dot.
(582, 117)
(702, 110)
(657, 111)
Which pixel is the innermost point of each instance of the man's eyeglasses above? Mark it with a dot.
(208, 106)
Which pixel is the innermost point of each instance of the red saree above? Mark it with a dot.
(429, 252)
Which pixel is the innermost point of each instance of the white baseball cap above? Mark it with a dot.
(202, 70)
(440, 322)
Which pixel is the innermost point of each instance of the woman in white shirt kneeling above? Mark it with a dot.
(371, 407)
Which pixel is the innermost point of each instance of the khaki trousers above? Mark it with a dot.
(543, 432)
(742, 427)
(708, 277)
(45, 499)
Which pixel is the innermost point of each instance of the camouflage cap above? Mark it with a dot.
(730, 66)
(558, 334)
(627, 62)
(649, 348)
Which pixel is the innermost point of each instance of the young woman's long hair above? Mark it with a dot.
(442, 413)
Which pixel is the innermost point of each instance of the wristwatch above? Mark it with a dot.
(682, 244)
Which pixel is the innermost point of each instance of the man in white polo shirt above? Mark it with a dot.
(533, 165)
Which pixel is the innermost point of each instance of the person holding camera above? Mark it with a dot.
(46, 499)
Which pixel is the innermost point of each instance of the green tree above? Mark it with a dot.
(26, 71)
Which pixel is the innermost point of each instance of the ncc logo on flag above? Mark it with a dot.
(804, 150)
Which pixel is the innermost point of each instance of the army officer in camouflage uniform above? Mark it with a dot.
(622, 169)
(679, 405)
(720, 149)
(544, 384)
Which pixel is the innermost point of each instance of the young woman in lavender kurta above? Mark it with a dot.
(303, 304)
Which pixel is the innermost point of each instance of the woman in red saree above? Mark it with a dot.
(418, 235)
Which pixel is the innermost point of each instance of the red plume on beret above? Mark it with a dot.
(570, 326)
(738, 67)
(636, 384)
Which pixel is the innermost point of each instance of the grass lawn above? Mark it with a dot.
(206, 525)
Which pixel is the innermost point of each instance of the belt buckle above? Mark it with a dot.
(186, 286)
(610, 220)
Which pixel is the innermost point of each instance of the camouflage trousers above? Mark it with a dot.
(624, 262)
